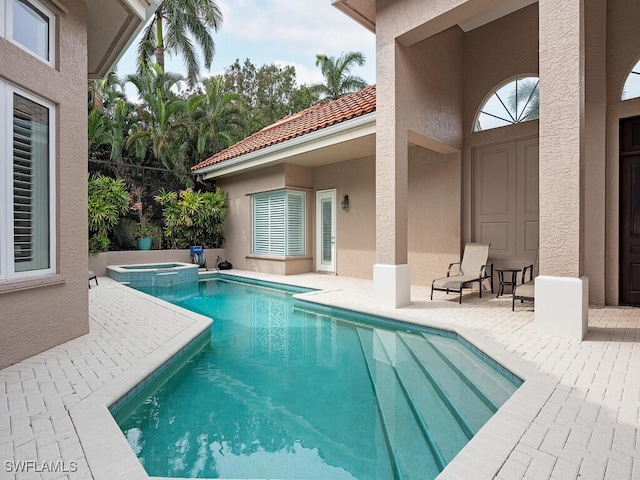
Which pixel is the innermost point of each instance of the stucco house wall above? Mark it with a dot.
(238, 227)
(356, 227)
(38, 317)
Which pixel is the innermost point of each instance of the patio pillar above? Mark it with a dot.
(391, 275)
(562, 289)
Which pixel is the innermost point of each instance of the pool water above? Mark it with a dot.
(282, 391)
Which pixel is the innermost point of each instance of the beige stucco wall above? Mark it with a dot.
(238, 226)
(38, 318)
(355, 228)
(434, 213)
(493, 54)
(98, 263)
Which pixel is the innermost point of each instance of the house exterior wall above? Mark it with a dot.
(493, 54)
(238, 230)
(622, 52)
(39, 317)
(434, 213)
(356, 227)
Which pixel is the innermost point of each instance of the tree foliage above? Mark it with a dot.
(338, 79)
(108, 201)
(269, 92)
(193, 218)
(174, 28)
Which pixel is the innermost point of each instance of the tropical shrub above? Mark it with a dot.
(193, 218)
(108, 200)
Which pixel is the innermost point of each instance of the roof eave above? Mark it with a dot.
(362, 11)
(347, 130)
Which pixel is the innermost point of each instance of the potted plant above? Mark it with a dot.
(144, 231)
(144, 235)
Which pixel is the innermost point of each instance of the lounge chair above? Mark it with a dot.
(472, 268)
(92, 276)
(527, 289)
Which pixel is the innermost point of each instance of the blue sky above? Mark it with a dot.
(281, 32)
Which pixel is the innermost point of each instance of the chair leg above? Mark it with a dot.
(460, 301)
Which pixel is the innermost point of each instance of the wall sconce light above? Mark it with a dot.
(345, 202)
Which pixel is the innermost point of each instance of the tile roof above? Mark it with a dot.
(313, 118)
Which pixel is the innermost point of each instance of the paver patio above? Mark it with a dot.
(576, 416)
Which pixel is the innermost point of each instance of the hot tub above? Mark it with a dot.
(150, 274)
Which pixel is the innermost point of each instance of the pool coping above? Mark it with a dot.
(110, 456)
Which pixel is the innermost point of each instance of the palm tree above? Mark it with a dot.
(160, 120)
(175, 26)
(217, 118)
(337, 74)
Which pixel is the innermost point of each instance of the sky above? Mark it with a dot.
(283, 32)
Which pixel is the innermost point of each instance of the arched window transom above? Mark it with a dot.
(631, 87)
(516, 101)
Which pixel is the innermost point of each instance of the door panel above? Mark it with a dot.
(326, 231)
(494, 198)
(630, 211)
(505, 200)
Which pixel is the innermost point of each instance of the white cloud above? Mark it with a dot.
(304, 74)
(308, 26)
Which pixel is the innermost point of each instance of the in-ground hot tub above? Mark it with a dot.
(150, 274)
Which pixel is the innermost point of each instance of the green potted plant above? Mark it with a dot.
(144, 231)
(144, 235)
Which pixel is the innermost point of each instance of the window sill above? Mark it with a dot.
(278, 258)
(27, 284)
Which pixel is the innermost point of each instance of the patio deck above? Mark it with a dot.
(576, 416)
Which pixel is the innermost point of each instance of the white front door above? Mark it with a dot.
(326, 231)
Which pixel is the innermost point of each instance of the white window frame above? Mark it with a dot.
(515, 117)
(288, 233)
(6, 28)
(7, 264)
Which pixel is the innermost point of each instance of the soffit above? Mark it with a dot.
(362, 11)
(358, 146)
(111, 27)
(467, 15)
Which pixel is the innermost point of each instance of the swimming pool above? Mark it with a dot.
(287, 390)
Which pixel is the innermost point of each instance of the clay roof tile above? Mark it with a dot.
(297, 124)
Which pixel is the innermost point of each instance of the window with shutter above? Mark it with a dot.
(279, 223)
(26, 226)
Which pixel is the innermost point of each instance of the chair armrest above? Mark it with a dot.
(483, 271)
(524, 273)
(451, 265)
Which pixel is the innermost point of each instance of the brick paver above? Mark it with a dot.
(586, 428)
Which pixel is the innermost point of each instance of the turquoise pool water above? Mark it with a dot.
(283, 390)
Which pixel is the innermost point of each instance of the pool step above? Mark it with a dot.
(406, 441)
(413, 377)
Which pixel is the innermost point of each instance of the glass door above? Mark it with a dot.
(326, 231)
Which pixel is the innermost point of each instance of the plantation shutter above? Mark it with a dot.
(30, 185)
(278, 223)
(295, 223)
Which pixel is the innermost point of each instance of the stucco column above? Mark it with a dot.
(391, 276)
(561, 289)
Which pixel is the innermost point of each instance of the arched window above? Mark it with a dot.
(631, 87)
(516, 101)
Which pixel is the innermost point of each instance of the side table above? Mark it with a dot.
(510, 282)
